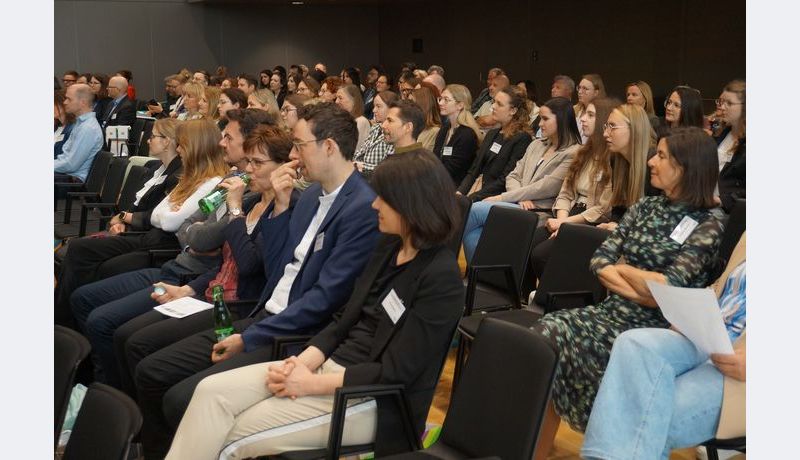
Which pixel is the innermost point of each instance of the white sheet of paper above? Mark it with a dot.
(695, 313)
(183, 307)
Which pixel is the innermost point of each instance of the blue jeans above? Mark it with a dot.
(475, 222)
(101, 307)
(658, 393)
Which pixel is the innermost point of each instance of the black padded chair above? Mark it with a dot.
(738, 444)
(464, 204)
(135, 136)
(94, 183)
(566, 282)
(106, 423)
(734, 227)
(147, 131)
(70, 349)
(498, 409)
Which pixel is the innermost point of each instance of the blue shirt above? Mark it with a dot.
(78, 151)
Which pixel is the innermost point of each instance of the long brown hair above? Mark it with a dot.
(595, 146)
(201, 157)
(426, 100)
(738, 87)
(628, 176)
(519, 121)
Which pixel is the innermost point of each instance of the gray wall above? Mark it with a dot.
(699, 42)
(157, 38)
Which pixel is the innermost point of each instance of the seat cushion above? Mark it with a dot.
(523, 317)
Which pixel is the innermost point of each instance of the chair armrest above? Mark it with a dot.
(242, 308)
(132, 233)
(281, 345)
(85, 207)
(561, 300)
(163, 255)
(395, 393)
(77, 194)
(472, 284)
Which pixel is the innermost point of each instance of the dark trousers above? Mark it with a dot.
(92, 259)
(165, 379)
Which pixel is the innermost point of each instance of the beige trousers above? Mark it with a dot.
(233, 415)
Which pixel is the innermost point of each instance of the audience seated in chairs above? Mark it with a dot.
(731, 144)
(313, 255)
(458, 141)
(425, 98)
(404, 121)
(192, 93)
(639, 93)
(660, 393)
(119, 110)
(485, 114)
(230, 99)
(536, 179)
(640, 249)
(684, 107)
(414, 278)
(63, 122)
(348, 97)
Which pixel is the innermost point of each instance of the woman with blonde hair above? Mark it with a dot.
(731, 143)
(101, 307)
(456, 146)
(264, 99)
(426, 99)
(192, 93)
(209, 103)
(349, 98)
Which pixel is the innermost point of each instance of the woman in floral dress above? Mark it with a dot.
(671, 239)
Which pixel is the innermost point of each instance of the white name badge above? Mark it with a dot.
(319, 242)
(495, 148)
(447, 151)
(60, 138)
(684, 229)
(393, 306)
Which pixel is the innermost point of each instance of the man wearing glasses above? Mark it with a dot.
(121, 111)
(313, 252)
(70, 78)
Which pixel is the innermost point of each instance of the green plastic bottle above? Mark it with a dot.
(213, 200)
(223, 324)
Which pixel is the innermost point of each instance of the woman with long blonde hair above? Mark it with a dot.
(192, 94)
(209, 103)
(456, 145)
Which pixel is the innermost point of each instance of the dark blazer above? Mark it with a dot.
(464, 143)
(99, 109)
(494, 167)
(141, 212)
(124, 114)
(732, 177)
(326, 277)
(412, 351)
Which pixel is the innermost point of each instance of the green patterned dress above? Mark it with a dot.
(584, 336)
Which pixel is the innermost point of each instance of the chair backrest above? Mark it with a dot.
(567, 268)
(137, 176)
(498, 406)
(506, 240)
(105, 425)
(737, 222)
(144, 147)
(114, 179)
(97, 173)
(135, 135)
(70, 349)
(464, 204)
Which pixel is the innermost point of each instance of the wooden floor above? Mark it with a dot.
(568, 442)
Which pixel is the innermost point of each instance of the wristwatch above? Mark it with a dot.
(121, 216)
(235, 212)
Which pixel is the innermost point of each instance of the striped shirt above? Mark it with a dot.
(732, 302)
(373, 150)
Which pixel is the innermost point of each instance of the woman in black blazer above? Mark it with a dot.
(395, 329)
(501, 148)
(731, 144)
(457, 141)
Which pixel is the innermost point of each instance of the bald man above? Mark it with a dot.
(121, 111)
(436, 80)
(85, 140)
(484, 115)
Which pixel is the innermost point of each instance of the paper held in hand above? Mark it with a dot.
(695, 313)
(183, 307)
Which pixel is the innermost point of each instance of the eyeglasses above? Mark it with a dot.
(726, 104)
(446, 100)
(668, 104)
(299, 144)
(610, 127)
(286, 110)
(258, 163)
(584, 89)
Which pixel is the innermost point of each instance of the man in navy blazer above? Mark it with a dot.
(313, 254)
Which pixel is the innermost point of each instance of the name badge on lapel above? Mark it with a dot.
(447, 151)
(393, 306)
(684, 229)
(495, 148)
(319, 242)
